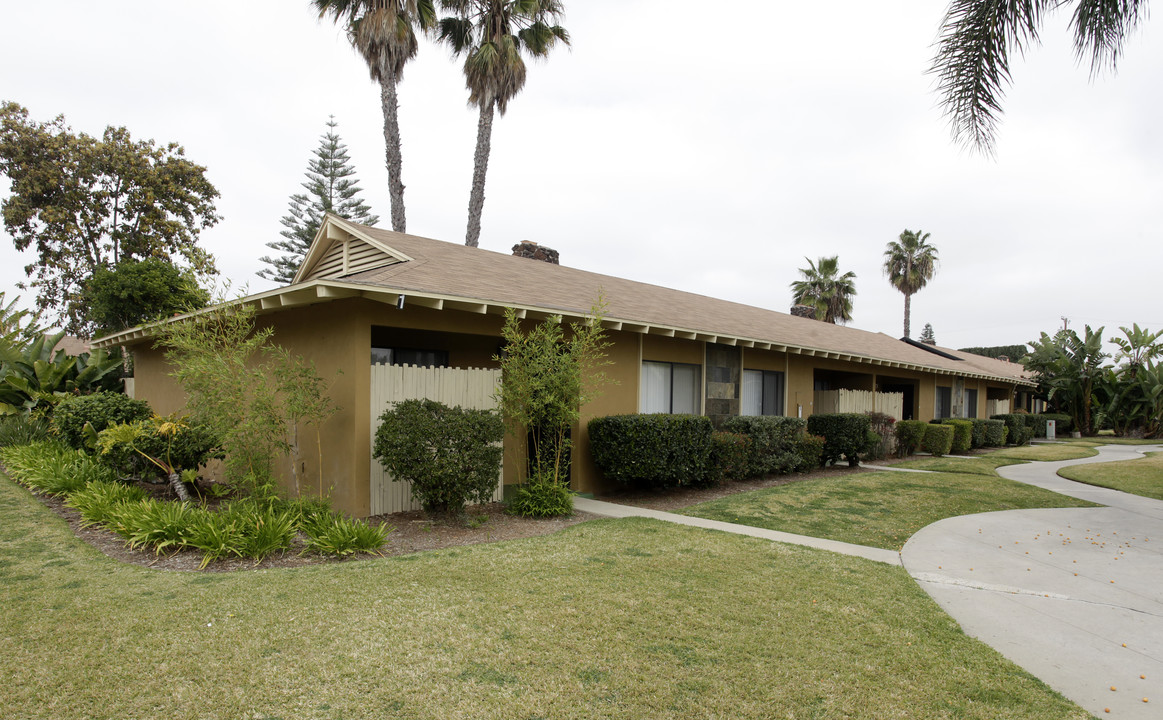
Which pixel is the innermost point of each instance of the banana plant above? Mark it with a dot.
(34, 377)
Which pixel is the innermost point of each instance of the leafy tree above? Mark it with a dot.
(910, 263)
(1067, 367)
(927, 335)
(384, 34)
(1130, 395)
(332, 187)
(972, 64)
(85, 203)
(825, 289)
(492, 35)
(136, 291)
(547, 378)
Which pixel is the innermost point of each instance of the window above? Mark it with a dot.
(670, 388)
(409, 356)
(762, 393)
(944, 403)
(970, 403)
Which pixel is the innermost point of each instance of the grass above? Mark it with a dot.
(1138, 477)
(884, 509)
(609, 619)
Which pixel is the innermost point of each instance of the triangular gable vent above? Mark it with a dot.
(341, 249)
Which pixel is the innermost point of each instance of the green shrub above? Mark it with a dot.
(845, 435)
(541, 498)
(773, 442)
(962, 435)
(449, 456)
(910, 435)
(264, 528)
(977, 438)
(99, 410)
(216, 535)
(23, 430)
(881, 441)
(938, 439)
(995, 433)
(98, 501)
(188, 450)
(663, 451)
(1019, 433)
(337, 534)
(730, 456)
(808, 451)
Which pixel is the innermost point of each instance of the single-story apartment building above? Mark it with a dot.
(365, 296)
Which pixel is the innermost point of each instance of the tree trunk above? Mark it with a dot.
(476, 200)
(394, 159)
(179, 487)
(907, 299)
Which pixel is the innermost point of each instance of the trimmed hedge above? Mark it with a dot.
(910, 434)
(101, 410)
(845, 435)
(773, 444)
(1019, 433)
(995, 433)
(962, 435)
(730, 456)
(938, 439)
(978, 439)
(653, 450)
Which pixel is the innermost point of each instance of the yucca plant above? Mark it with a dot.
(339, 535)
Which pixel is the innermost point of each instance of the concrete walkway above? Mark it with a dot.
(1075, 596)
(607, 509)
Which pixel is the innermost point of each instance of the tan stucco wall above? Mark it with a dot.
(336, 336)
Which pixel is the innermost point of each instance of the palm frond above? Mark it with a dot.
(1101, 28)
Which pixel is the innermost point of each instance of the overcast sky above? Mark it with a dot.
(679, 143)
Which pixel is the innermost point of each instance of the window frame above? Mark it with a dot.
(779, 379)
(697, 385)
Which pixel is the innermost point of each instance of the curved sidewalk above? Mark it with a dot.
(1075, 596)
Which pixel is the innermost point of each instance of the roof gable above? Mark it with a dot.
(341, 249)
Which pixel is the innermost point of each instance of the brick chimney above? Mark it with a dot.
(804, 311)
(533, 251)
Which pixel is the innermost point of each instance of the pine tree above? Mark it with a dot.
(332, 188)
(927, 335)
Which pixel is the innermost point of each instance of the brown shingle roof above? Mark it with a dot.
(449, 269)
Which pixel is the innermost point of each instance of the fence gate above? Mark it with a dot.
(467, 387)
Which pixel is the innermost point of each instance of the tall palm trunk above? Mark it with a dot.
(394, 159)
(476, 199)
(908, 298)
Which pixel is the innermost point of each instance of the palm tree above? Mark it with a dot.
(384, 33)
(823, 288)
(910, 263)
(976, 37)
(491, 35)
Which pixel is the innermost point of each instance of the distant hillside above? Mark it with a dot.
(1014, 353)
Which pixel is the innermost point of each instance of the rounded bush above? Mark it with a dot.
(995, 433)
(773, 442)
(938, 439)
(730, 456)
(449, 456)
(962, 435)
(100, 410)
(910, 434)
(845, 435)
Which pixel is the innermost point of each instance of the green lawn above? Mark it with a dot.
(882, 509)
(1138, 477)
(608, 619)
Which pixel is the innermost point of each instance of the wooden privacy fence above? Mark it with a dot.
(859, 401)
(467, 387)
(996, 407)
